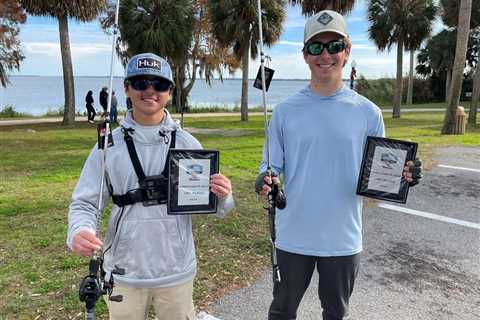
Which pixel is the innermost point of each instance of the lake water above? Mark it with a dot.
(36, 95)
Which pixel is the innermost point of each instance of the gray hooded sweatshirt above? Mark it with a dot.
(154, 248)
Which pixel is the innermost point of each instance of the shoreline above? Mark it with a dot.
(25, 121)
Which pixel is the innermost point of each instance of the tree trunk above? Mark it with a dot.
(448, 83)
(458, 66)
(187, 88)
(178, 102)
(68, 83)
(244, 101)
(410, 78)
(472, 114)
(397, 99)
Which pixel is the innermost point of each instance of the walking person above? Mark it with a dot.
(89, 105)
(113, 108)
(103, 98)
(156, 250)
(316, 141)
(353, 75)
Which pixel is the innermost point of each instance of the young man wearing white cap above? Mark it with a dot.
(316, 141)
(155, 250)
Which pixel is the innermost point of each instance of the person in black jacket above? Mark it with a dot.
(104, 100)
(89, 104)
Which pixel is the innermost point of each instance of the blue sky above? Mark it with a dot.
(91, 49)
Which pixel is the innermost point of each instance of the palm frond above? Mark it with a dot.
(82, 10)
(310, 7)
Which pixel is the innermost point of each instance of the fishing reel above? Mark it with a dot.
(276, 197)
(93, 286)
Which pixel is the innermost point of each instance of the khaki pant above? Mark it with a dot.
(170, 303)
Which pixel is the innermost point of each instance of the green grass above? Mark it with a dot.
(39, 278)
(435, 105)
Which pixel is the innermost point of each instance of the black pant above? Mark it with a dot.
(335, 286)
(90, 112)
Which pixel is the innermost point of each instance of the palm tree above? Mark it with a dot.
(423, 25)
(400, 22)
(436, 57)
(200, 53)
(85, 10)
(11, 14)
(235, 25)
(463, 31)
(310, 7)
(164, 27)
(472, 114)
(450, 10)
(450, 18)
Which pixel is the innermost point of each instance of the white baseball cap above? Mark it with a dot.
(325, 21)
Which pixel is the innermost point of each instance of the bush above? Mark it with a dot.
(380, 91)
(9, 112)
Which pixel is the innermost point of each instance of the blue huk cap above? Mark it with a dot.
(148, 64)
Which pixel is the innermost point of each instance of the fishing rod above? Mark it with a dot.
(276, 197)
(94, 285)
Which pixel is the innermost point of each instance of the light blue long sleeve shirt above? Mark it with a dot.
(316, 143)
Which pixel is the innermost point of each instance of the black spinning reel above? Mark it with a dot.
(94, 286)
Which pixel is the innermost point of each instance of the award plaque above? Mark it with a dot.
(189, 181)
(381, 173)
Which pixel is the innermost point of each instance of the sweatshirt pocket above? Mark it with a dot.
(150, 249)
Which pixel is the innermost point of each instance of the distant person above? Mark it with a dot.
(90, 109)
(353, 75)
(113, 108)
(104, 100)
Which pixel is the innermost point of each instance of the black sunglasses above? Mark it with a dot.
(333, 47)
(142, 84)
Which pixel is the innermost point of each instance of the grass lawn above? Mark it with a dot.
(39, 168)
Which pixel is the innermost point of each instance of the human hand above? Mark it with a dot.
(220, 185)
(85, 242)
(412, 172)
(263, 184)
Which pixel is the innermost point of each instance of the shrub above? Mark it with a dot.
(380, 91)
(10, 112)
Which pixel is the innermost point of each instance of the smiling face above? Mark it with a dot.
(326, 67)
(148, 105)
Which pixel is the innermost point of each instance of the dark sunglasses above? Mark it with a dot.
(142, 84)
(333, 47)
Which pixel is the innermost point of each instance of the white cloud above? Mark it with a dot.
(363, 47)
(78, 50)
(291, 43)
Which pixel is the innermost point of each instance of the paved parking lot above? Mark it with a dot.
(420, 260)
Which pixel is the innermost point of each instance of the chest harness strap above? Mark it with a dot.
(153, 190)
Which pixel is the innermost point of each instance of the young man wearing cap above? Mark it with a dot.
(155, 250)
(316, 141)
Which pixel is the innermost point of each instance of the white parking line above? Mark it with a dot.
(458, 168)
(430, 215)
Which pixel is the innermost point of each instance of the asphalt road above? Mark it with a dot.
(413, 267)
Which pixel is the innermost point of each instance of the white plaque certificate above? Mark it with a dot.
(381, 172)
(193, 182)
(189, 174)
(387, 169)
